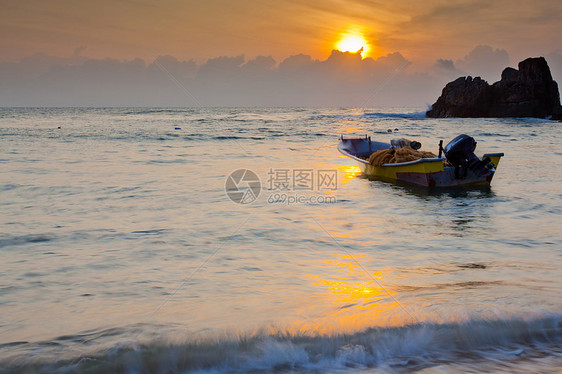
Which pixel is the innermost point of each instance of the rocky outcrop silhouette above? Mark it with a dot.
(529, 91)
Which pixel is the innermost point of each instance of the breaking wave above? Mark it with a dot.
(406, 348)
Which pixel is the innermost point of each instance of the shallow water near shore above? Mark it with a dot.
(122, 251)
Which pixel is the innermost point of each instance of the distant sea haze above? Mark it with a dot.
(127, 246)
(340, 80)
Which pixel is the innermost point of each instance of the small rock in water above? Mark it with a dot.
(473, 266)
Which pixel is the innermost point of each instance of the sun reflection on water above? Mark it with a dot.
(349, 172)
(355, 298)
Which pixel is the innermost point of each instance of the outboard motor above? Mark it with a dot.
(460, 153)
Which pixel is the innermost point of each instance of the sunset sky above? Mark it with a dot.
(424, 33)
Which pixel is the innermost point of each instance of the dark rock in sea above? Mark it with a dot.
(557, 115)
(527, 92)
(464, 97)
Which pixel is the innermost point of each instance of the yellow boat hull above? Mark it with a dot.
(423, 172)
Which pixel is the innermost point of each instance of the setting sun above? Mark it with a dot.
(353, 41)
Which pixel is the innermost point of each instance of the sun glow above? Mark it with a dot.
(353, 41)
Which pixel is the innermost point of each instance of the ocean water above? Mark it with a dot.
(123, 251)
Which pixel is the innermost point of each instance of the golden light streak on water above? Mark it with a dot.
(356, 297)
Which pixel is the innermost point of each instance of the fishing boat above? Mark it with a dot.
(459, 166)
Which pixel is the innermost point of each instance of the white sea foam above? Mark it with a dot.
(474, 342)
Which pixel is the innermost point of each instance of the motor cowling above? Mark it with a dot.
(460, 153)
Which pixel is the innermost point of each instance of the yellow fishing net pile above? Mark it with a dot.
(393, 156)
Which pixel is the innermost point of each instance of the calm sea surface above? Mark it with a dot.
(121, 250)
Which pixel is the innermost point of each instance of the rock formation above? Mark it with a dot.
(527, 92)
